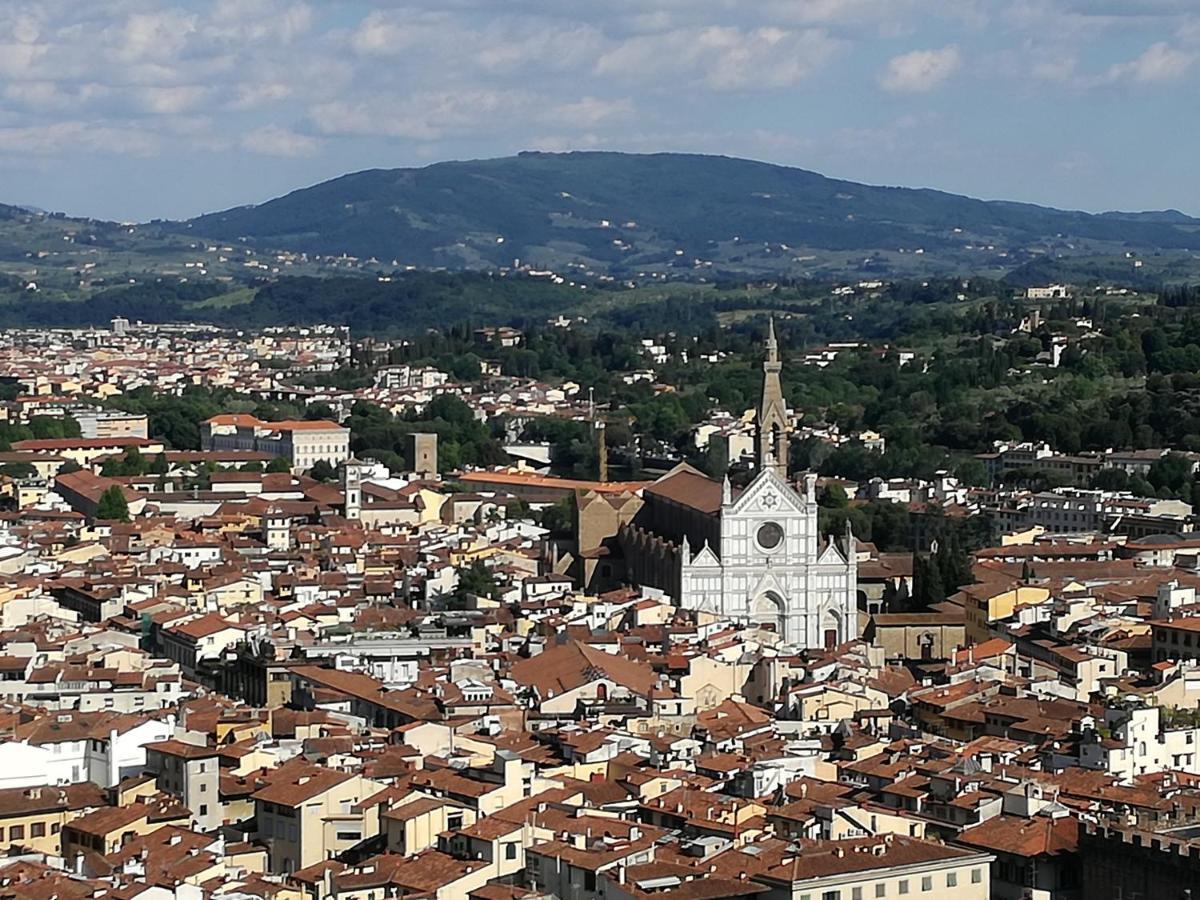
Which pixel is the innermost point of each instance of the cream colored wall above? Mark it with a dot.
(51, 839)
(564, 704)
(433, 506)
(501, 798)
(832, 704)
(436, 739)
(659, 614)
(876, 819)
(938, 890)
(239, 593)
(711, 682)
(312, 842)
(905, 641)
(421, 832)
(999, 607)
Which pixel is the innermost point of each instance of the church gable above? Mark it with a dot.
(770, 494)
(768, 584)
(831, 556)
(705, 559)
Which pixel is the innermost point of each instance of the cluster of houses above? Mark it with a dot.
(397, 685)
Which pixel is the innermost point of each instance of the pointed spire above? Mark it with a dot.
(685, 547)
(772, 419)
(726, 491)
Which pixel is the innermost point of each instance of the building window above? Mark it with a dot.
(37, 829)
(16, 833)
(951, 879)
(927, 883)
(976, 876)
(510, 850)
(881, 889)
(832, 895)
(856, 894)
(904, 886)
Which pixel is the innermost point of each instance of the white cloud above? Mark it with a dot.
(1054, 67)
(50, 95)
(172, 100)
(424, 116)
(1158, 64)
(438, 78)
(381, 34)
(274, 140)
(591, 111)
(72, 136)
(258, 21)
(252, 96)
(721, 57)
(151, 36)
(920, 70)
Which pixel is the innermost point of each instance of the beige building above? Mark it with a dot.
(106, 830)
(887, 866)
(112, 423)
(990, 602)
(85, 451)
(710, 682)
(415, 824)
(308, 813)
(934, 634)
(34, 817)
(303, 442)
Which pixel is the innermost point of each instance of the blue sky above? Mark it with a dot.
(131, 109)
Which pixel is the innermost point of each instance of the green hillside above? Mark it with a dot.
(625, 214)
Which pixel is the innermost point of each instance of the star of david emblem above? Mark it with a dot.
(769, 501)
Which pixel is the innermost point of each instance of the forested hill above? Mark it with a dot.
(625, 213)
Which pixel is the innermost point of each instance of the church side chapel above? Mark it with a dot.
(755, 555)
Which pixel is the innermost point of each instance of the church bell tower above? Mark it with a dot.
(772, 421)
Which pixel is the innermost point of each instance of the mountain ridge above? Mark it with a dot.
(623, 213)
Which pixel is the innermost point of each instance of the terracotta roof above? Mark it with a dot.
(414, 808)
(45, 798)
(1039, 836)
(689, 488)
(174, 747)
(292, 785)
(85, 443)
(822, 859)
(532, 479)
(987, 650)
(203, 626)
(574, 664)
(245, 420)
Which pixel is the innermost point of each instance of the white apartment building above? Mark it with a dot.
(1139, 744)
(303, 442)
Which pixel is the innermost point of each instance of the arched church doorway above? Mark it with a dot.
(767, 611)
(831, 629)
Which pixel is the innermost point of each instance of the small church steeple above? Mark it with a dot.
(772, 424)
